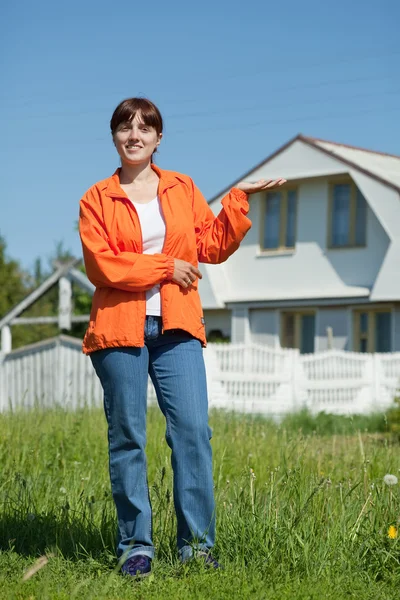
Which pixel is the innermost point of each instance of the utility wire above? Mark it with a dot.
(308, 118)
(275, 90)
(304, 66)
(261, 123)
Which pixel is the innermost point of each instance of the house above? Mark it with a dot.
(320, 267)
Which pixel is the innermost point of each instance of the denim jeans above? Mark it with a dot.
(175, 363)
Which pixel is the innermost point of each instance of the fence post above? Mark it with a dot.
(375, 381)
(59, 372)
(297, 377)
(6, 339)
(247, 357)
(3, 383)
(64, 303)
(380, 400)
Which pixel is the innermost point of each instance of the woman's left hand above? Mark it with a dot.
(259, 186)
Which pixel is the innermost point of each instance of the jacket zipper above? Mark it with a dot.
(141, 251)
(163, 249)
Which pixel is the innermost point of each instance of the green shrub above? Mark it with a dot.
(393, 418)
(329, 424)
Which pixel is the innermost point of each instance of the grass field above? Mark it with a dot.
(303, 511)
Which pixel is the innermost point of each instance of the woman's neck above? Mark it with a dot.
(136, 173)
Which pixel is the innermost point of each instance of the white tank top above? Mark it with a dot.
(153, 235)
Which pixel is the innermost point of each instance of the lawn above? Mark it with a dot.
(303, 510)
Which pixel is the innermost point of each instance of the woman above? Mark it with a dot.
(144, 230)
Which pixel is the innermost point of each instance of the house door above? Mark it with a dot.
(298, 331)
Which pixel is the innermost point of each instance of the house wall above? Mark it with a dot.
(218, 320)
(311, 270)
(360, 266)
(339, 319)
(207, 295)
(385, 202)
(213, 286)
(298, 161)
(264, 326)
(240, 325)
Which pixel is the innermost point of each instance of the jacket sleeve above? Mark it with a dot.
(218, 237)
(106, 265)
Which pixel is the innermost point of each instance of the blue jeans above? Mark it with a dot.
(175, 363)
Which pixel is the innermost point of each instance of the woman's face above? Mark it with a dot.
(135, 141)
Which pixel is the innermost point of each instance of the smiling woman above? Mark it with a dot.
(136, 125)
(144, 230)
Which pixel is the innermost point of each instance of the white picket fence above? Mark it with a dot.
(247, 378)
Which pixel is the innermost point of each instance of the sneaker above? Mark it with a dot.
(138, 565)
(209, 561)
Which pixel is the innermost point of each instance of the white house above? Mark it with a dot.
(321, 265)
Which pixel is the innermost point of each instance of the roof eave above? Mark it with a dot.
(313, 144)
(257, 166)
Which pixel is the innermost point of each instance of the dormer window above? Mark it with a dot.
(347, 216)
(279, 223)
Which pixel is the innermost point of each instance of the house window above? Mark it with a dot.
(280, 220)
(298, 331)
(373, 331)
(348, 216)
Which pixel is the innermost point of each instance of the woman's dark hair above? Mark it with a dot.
(127, 109)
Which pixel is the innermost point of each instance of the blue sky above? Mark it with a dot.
(233, 80)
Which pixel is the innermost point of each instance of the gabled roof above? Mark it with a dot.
(385, 168)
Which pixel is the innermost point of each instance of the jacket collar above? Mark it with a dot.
(167, 180)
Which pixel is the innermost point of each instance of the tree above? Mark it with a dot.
(13, 281)
(15, 284)
(47, 305)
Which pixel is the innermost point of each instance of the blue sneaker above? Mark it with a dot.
(138, 565)
(209, 561)
(200, 556)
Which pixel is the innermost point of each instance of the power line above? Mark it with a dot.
(289, 68)
(324, 63)
(286, 121)
(260, 123)
(265, 106)
(205, 113)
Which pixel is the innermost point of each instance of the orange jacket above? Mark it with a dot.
(112, 249)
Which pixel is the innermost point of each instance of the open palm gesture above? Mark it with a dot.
(260, 185)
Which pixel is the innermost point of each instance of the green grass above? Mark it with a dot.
(303, 511)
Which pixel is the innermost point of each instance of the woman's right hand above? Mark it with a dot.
(185, 273)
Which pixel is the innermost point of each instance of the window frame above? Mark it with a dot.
(371, 328)
(353, 217)
(298, 314)
(282, 248)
